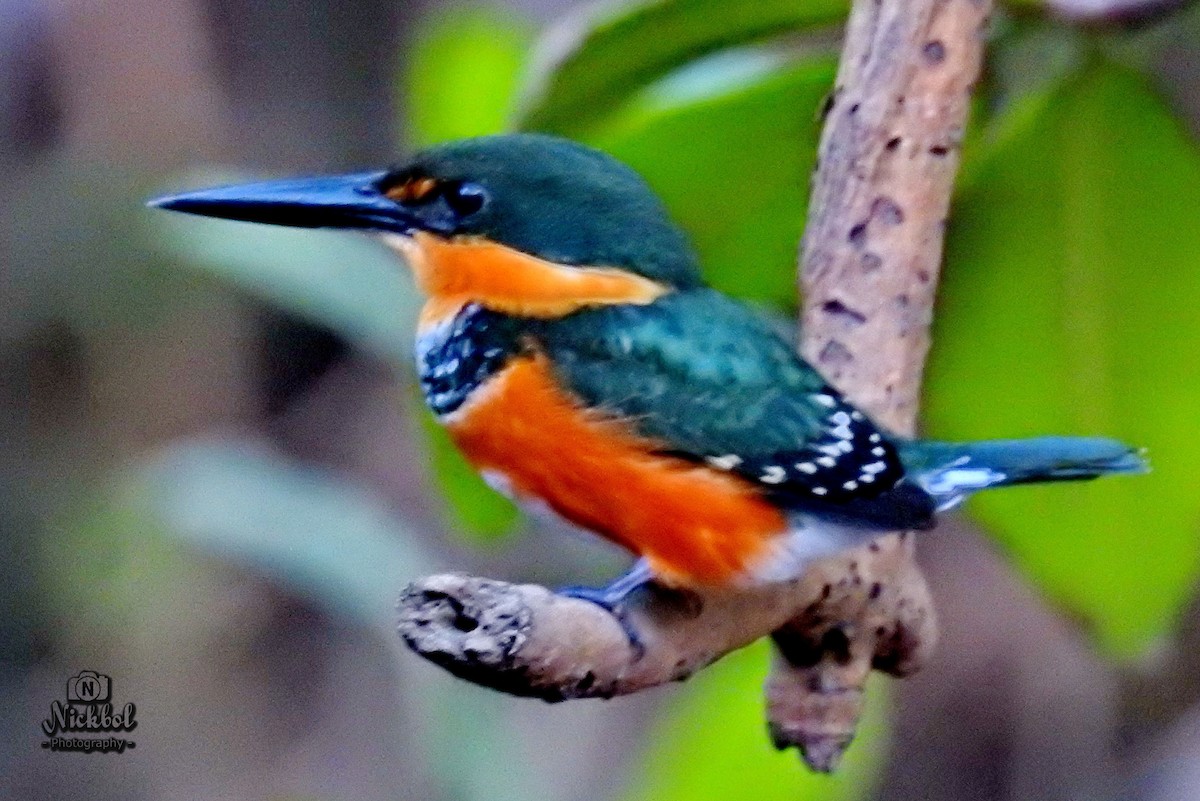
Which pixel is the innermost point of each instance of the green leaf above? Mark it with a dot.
(115, 559)
(309, 529)
(463, 72)
(348, 283)
(591, 61)
(130, 567)
(1029, 62)
(729, 145)
(1071, 262)
(711, 744)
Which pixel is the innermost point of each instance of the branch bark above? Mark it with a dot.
(870, 263)
(869, 269)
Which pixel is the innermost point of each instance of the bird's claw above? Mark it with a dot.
(614, 600)
(618, 609)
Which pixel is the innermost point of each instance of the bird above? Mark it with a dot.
(575, 354)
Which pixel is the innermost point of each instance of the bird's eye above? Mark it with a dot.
(464, 198)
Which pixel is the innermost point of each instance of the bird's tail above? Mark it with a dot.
(949, 471)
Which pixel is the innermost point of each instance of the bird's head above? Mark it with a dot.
(527, 223)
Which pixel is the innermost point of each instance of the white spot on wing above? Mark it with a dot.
(773, 474)
(806, 467)
(827, 401)
(826, 461)
(726, 462)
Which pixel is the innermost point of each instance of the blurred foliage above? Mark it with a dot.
(743, 205)
(587, 66)
(1071, 250)
(1070, 272)
(709, 744)
(476, 510)
(127, 563)
(463, 72)
(307, 528)
(346, 282)
(106, 275)
(117, 553)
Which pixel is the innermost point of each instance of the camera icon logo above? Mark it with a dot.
(89, 687)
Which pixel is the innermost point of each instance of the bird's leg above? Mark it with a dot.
(613, 599)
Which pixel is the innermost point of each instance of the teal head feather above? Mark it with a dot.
(563, 202)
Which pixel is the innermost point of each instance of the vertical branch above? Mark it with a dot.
(888, 157)
(870, 261)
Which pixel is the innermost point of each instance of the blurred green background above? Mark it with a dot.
(215, 474)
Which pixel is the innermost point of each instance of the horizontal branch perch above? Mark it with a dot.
(526, 640)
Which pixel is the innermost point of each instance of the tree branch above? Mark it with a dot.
(869, 269)
(526, 640)
(871, 256)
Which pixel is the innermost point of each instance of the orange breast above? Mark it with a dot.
(693, 524)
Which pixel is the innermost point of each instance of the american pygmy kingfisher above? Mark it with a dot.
(578, 359)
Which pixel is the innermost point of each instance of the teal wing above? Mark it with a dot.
(712, 382)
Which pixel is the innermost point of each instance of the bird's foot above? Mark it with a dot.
(614, 600)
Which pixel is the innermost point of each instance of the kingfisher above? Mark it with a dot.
(578, 359)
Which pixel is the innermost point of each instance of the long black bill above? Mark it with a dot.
(340, 201)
